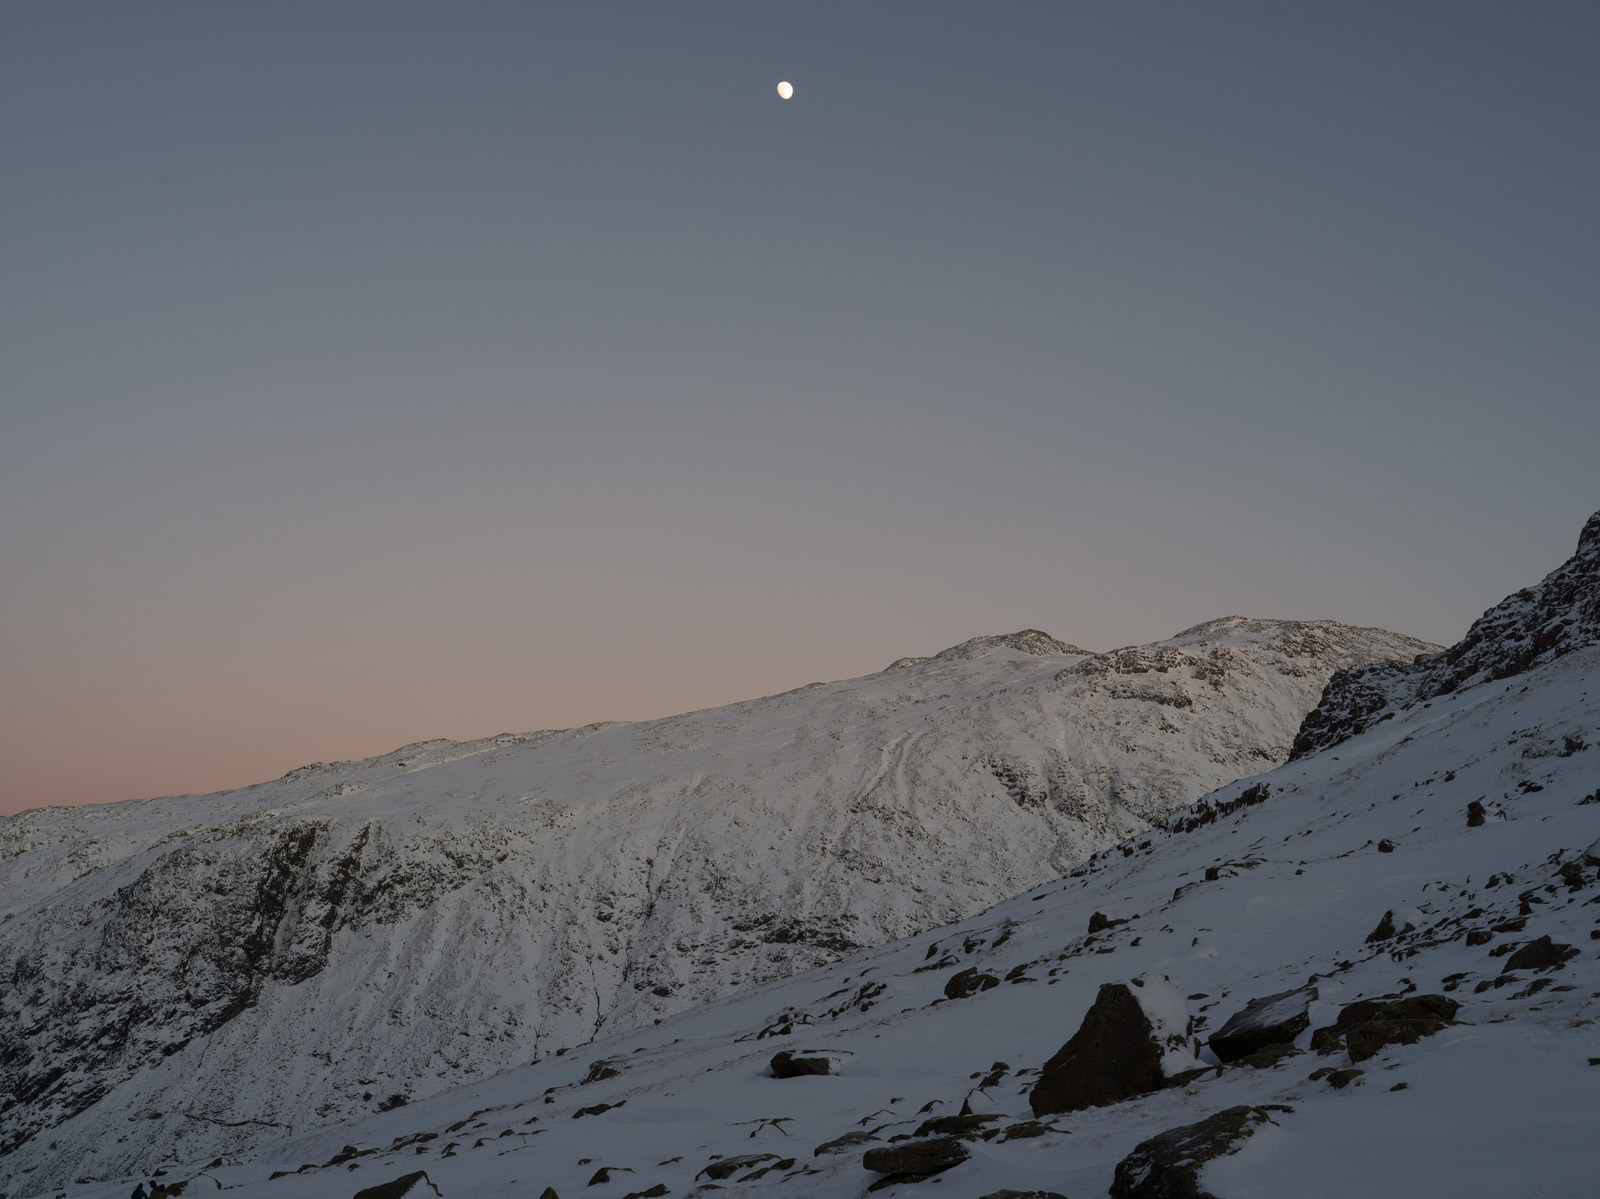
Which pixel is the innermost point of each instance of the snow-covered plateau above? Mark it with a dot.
(1414, 902)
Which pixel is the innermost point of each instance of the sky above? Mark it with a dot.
(374, 372)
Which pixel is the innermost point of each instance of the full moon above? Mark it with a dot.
(785, 90)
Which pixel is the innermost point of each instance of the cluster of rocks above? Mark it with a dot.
(1137, 1037)
(1368, 1025)
(1128, 1044)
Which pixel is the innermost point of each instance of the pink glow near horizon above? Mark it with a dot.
(371, 377)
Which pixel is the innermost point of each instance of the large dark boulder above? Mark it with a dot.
(1129, 1043)
(789, 1064)
(916, 1158)
(1168, 1166)
(1543, 954)
(1099, 922)
(1270, 1020)
(1366, 1026)
(968, 982)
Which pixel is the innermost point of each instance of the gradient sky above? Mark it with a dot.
(372, 372)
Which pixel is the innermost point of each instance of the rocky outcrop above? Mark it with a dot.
(911, 1160)
(1270, 1020)
(1366, 1026)
(1525, 630)
(1135, 1036)
(1168, 1166)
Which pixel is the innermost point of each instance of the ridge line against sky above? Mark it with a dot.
(382, 372)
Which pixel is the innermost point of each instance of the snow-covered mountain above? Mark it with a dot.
(209, 970)
(1373, 970)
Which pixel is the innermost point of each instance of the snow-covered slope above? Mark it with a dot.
(359, 934)
(1453, 850)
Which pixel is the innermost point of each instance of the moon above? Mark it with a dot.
(786, 89)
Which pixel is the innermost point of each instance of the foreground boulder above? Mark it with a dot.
(912, 1160)
(1366, 1026)
(1270, 1020)
(1168, 1166)
(407, 1186)
(1135, 1036)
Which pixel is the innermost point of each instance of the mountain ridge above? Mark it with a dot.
(1558, 616)
(461, 906)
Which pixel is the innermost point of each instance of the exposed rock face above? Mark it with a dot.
(1365, 1027)
(1134, 1037)
(466, 906)
(1270, 1020)
(1534, 626)
(1168, 1166)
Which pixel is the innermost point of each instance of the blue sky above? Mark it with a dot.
(374, 372)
